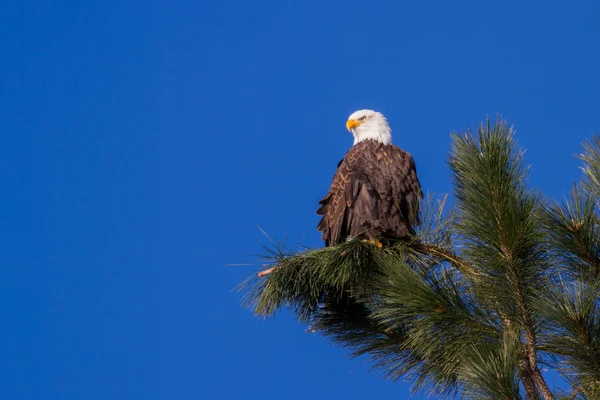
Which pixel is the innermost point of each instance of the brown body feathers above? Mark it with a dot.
(375, 195)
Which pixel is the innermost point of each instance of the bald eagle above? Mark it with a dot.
(375, 191)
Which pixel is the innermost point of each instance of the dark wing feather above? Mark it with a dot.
(348, 199)
(333, 205)
(406, 186)
(375, 191)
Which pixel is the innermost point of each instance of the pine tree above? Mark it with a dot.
(489, 293)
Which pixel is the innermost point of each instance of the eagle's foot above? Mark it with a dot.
(374, 243)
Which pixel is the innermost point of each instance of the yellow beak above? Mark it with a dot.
(352, 123)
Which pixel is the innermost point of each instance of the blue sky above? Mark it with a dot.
(142, 144)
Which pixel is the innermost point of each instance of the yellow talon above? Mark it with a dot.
(374, 243)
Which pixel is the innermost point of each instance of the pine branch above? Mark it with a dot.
(409, 297)
(298, 281)
(528, 381)
(441, 254)
(591, 166)
(440, 320)
(490, 371)
(574, 332)
(573, 233)
(479, 299)
(496, 219)
(572, 306)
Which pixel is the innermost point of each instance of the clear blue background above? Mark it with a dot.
(142, 144)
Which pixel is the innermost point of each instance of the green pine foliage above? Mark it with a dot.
(488, 294)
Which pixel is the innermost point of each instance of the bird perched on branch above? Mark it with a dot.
(375, 191)
(374, 196)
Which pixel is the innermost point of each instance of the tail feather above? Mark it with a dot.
(343, 304)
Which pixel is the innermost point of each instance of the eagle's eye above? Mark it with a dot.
(362, 118)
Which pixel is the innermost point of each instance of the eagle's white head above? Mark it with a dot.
(369, 124)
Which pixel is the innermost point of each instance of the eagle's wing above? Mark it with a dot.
(349, 202)
(406, 187)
